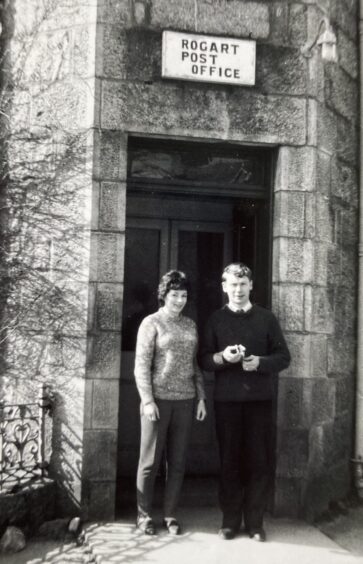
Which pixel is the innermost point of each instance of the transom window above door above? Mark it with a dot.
(205, 166)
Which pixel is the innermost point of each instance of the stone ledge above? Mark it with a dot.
(29, 507)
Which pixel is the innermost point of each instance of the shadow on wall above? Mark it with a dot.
(44, 231)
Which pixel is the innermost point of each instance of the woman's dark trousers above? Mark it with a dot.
(172, 433)
(244, 432)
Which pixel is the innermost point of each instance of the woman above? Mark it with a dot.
(168, 379)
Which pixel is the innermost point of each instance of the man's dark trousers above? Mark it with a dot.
(244, 432)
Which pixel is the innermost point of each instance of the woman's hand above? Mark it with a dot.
(151, 411)
(201, 410)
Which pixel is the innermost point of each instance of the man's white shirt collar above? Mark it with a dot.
(245, 308)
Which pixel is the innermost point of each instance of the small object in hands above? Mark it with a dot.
(241, 350)
(238, 349)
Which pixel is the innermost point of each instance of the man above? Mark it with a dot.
(244, 345)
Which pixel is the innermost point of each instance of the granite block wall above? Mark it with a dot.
(102, 68)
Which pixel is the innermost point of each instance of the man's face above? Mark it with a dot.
(237, 289)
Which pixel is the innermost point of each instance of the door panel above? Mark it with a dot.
(146, 256)
(153, 247)
(201, 249)
(199, 238)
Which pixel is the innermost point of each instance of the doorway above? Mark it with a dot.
(175, 221)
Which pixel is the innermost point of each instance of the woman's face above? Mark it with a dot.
(175, 301)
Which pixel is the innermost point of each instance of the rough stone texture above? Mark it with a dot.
(30, 506)
(344, 183)
(172, 13)
(296, 169)
(326, 129)
(281, 71)
(322, 310)
(111, 60)
(323, 173)
(143, 55)
(110, 155)
(323, 395)
(107, 257)
(345, 314)
(279, 23)
(319, 356)
(348, 227)
(300, 349)
(127, 106)
(345, 13)
(270, 118)
(307, 108)
(112, 206)
(99, 499)
(293, 260)
(104, 355)
(88, 401)
(292, 453)
(195, 109)
(289, 219)
(298, 25)
(231, 17)
(341, 93)
(288, 497)
(103, 466)
(348, 54)
(321, 263)
(288, 303)
(132, 54)
(337, 441)
(109, 306)
(347, 149)
(111, 11)
(344, 394)
(324, 220)
(105, 404)
(341, 356)
(294, 405)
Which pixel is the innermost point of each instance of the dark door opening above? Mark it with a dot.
(197, 227)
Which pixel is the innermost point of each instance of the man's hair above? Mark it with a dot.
(172, 280)
(238, 269)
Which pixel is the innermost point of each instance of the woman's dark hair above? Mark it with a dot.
(172, 280)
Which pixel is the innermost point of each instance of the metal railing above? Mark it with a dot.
(22, 441)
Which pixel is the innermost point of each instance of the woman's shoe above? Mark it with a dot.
(172, 526)
(258, 535)
(146, 525)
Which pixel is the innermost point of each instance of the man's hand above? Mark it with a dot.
(233, 353)
(151, 411)
(251, 362)
(201, 410)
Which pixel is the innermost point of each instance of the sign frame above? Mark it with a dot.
(208, 58)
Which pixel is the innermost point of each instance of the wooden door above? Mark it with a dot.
(153, 246)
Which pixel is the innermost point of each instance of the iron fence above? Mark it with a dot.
(22, 441)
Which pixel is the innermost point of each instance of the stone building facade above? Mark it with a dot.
(100, 61)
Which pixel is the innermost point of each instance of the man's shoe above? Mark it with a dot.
(226, 533)
(258, 535)
(172, 526)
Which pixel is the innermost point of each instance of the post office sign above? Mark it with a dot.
(206, 58)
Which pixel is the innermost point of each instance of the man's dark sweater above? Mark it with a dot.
(259, 331)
